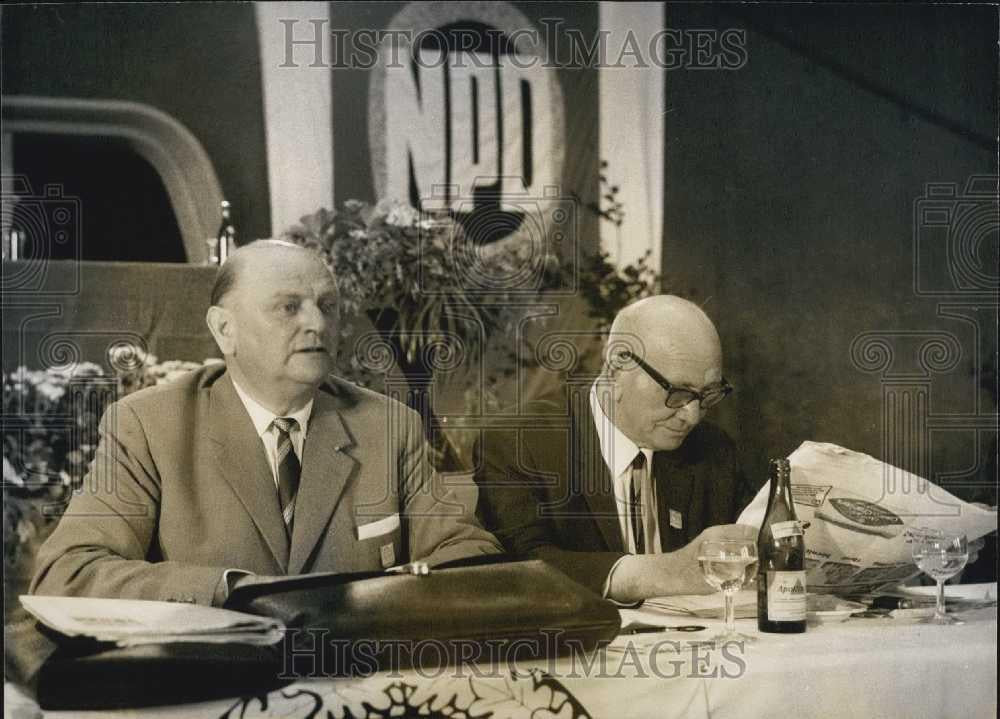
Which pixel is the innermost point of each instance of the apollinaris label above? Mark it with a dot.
(791, 528)
(786, 596)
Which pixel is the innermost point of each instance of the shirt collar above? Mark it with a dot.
(617, 450)
(262, 417)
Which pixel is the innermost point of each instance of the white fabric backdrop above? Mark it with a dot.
(299, 101)
(632, 129)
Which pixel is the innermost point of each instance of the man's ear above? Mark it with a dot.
(609, 370)
(223, 328)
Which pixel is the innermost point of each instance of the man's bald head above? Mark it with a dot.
(678, 341)
(665, 326)
(249, 259)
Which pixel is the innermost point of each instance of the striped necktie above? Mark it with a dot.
(288, 469)
(635, 503)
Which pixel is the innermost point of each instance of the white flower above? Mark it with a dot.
(25, 531)
(10, 475)
(20, 375)
(51, 391)
(398, 213)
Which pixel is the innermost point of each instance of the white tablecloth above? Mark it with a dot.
(859, 668)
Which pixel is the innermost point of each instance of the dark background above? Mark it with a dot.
(789, 205)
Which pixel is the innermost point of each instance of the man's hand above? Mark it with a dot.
(643, 576)
(233, 578)
(691, 572)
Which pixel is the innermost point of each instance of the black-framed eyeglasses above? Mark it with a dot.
(678, 397)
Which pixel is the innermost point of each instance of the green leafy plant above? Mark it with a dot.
(400, 267)
(607, 288)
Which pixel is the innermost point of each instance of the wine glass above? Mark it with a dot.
(941, 555)
(728, 564)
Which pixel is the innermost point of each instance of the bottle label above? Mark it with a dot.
(786, 596)
(791, 528)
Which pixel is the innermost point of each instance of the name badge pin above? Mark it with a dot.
(388, 554)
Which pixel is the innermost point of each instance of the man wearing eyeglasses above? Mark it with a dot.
(619, 491)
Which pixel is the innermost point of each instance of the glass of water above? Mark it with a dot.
(727, 566)
(941, 555)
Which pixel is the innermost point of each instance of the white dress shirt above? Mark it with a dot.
(263, 419)
(618, 452)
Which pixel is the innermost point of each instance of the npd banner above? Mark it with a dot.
(466, 107)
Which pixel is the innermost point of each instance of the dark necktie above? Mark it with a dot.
(288, 469)
(635, 503)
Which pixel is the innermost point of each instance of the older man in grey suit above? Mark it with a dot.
(264, 465)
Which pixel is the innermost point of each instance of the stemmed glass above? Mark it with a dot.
(728, 564)
(941, 556)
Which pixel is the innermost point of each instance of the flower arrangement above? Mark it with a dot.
(409, 271)
(134, 368)
(423, 282)
(49, 426)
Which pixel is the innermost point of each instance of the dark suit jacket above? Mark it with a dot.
(545, 491)
(180, 490)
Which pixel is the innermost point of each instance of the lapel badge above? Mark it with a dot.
(388, 554)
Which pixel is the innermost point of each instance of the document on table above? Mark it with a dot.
(704, 606)
(709, 606)
(128, 622)
(863, 516)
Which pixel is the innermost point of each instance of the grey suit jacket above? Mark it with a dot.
(180, 490)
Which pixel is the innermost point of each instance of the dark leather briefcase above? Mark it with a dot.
(491, 612)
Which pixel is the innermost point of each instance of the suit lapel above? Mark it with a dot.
(243, 464)
(326, 469)
(674, 484)
(595, 482)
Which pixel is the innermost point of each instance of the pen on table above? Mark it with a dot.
(649, 629)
